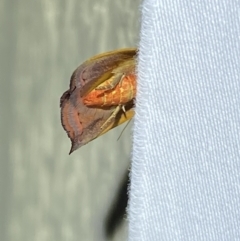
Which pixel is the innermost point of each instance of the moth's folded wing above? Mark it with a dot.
(101, 67)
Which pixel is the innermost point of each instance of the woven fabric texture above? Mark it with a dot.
(185, 174)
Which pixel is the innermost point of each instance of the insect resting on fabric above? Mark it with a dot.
(101, 96)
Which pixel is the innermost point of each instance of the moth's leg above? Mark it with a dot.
(111, 118)
(111, 83)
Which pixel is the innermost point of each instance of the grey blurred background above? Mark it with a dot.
(45, 193)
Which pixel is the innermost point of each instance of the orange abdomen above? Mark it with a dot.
(122, 93)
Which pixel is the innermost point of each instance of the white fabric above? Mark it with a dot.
(185, 174)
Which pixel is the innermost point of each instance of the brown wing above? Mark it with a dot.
(98, 69)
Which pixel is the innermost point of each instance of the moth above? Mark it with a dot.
(100, 96)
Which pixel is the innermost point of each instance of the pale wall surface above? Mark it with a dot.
(47, 195)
